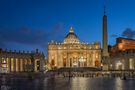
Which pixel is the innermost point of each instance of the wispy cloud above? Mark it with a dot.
(23, 35)
(114, 35)
(129, 33)
(29, 36)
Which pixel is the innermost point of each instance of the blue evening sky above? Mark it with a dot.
(30, 24)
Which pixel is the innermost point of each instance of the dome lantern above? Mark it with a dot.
(71, 37)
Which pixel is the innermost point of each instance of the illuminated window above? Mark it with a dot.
(96, 46)
(120, 46)
(97, 56)
(64, 47)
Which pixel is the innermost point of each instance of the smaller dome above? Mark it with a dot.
(71, 37)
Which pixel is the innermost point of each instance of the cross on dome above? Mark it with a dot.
(71, 37)
(71, 30)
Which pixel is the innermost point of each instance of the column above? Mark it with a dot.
(14, 64)
(17, 64)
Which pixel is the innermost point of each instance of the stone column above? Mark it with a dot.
(16, 64)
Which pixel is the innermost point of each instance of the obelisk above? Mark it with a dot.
(105, 54)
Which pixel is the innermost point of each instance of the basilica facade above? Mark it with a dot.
(73, 53)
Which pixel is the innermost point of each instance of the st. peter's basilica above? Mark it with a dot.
(73, 53)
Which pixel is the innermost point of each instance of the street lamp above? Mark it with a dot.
(111, 66)
(118, 64)
(75, 63)
(101, 66)
(82, 60)
(4, 61)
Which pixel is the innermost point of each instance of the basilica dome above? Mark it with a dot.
(71, 38)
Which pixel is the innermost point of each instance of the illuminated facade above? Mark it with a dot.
(12, 61)
(123, 54)
(73, 53)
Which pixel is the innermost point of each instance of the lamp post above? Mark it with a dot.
(101, 66)
(82, 60)
(111, 68)
(119, 65)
